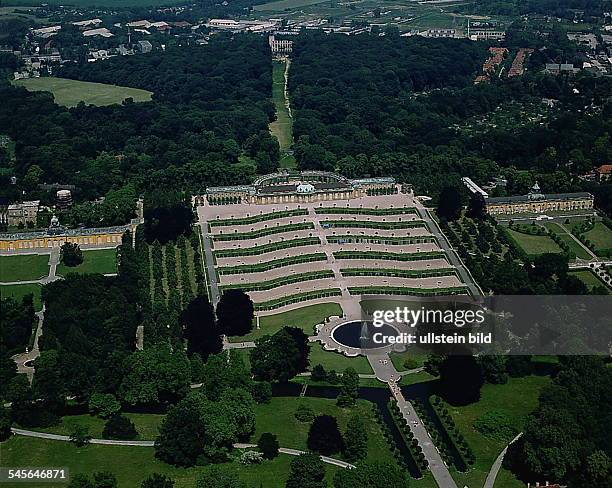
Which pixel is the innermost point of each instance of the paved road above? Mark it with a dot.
(112, 442)
(490, 481)
(453, 257)
(210, 266)
(438, 469)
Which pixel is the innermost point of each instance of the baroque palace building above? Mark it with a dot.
(537, 202)
(297, 187)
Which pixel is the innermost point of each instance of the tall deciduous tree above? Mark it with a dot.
(280, 357)
(449, 203)
(307, 471)
(201, 331)
(355, 439)
(324, 436)
(235, 313)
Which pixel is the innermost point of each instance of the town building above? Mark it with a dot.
(47, 239)
(486, 35)
(604, 172)
(145, 46)
(297, 187)
(101, 32)
(63, 199)
(473, 187)
(537, 202)
(280, 46)
(22, 213)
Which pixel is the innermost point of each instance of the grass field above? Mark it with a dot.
(23, 267)
(278, 417)
(588, 278)
(282, 127)
(147, 425)
(574, 246)
(129, 464)
(18, 291)
(305, 318)
(398, 359)
(600, 236)
(413, 378)
(336, 361)
(101, 261)
(516, 399)
(286, 4)
(70, 92)
(534, 245)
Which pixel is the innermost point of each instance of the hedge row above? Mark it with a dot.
(434, 433)
(279, 229)
(365, 224)
(273, 264)
(416, 450)
(456, 437)
(298, 297)
(283, 280)
(390, 441)
(258, 218)
(366, 211)
(389, 256)
(273, 246)
(390, 241)
(404, 290)
(399, 273)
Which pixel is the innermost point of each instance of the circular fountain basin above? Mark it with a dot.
(359, 334)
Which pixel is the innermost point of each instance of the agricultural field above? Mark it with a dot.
(70, 92)
(102, 261)
(19, 291)
(23, 267)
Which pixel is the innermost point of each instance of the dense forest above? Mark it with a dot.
(558, 8)
(373, 106)
(206, 125)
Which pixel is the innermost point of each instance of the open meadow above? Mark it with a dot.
(70, 92)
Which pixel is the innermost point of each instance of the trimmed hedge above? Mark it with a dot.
(365, 211)
(416, 451)
(365, 224)
(390, 241)
(273, 264)
(390, 256)
(241, 236)
(273, 246)
(284, 280)
(397, 290)
(298, 297)
(258, 218)
(400, 273)
(465, 451)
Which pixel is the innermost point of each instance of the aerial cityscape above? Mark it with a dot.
(306, 243)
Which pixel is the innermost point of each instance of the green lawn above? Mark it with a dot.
(278, 417)
(398, 359)
(282, 127)
(147, 425)
(517, 399)
(336, 361)
(534, 245)
(588, 278)
(574, 246)
(420, 377)
(24, 267)
(18, 291)
(130, 464)
(101, 261)
(70, 92)
(600, 236)
(305, 318)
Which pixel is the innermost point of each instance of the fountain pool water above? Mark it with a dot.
(358, 334)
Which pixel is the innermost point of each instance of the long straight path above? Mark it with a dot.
(113, 442)
(210, 263)
(453, 257)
